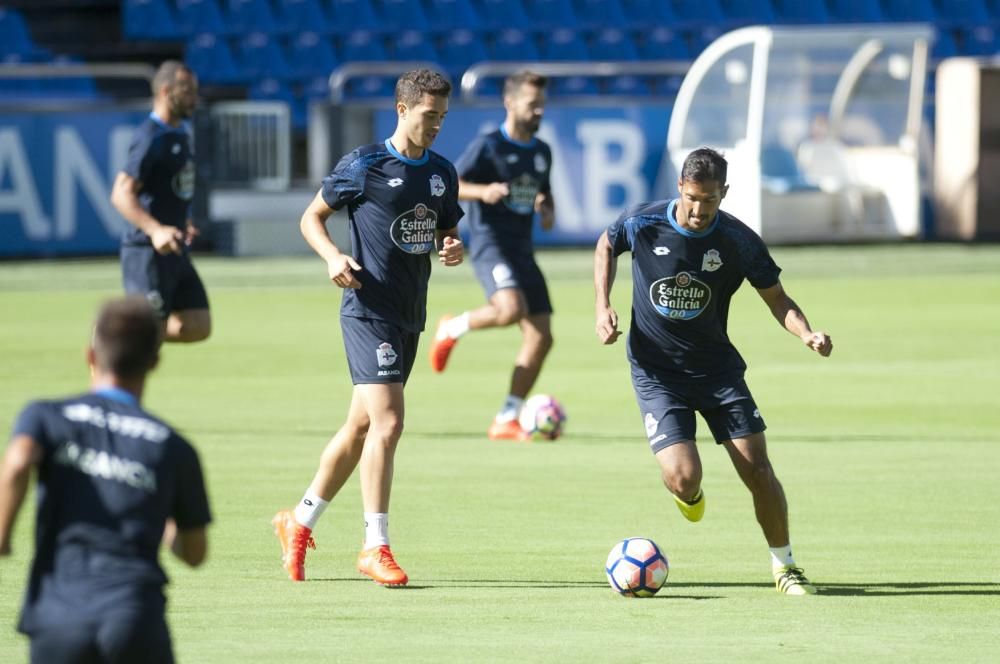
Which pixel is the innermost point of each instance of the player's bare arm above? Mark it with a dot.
(788, 313)
(451, 251)
(605, 267)
(190, 544)
(125, 198)
(22, 454)
(546, 208)
(339, 266)
(491, 193)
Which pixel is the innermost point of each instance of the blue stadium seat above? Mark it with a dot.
(965, 13)
(303, 15)
(597, 14)
(800, 11)
(149, 19)
(413, 45)
(272, 89)
(399, 15)
(564, 45)
(363, 46)
(978, 41)
(347, 16)
(514, 45)
(18, 88)
(261, 56)
(855, 11)
(82, 87)
(909, 10)
(697, 13)
(944, 46)
(370, 87)
(613, 44)
(663, 44)
(247, 16)
(317, 89)
(15, 38)
(629, 86)
(448, 15)
(197, 16)
(496, 15)
(311, 55)
(566, 86)
(647, 14)
(212, 60)
(547, 15)
(748, 12)
(461, 49)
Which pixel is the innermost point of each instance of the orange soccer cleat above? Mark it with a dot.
(294, 539)
(508, 430)
(441, 348)
(378, 563)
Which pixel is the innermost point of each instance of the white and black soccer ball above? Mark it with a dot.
(636, 567)
(542, 417)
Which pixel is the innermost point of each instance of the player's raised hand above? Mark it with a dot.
(452, 251)
(341, 269)
(190, 233)
(494, 192)
(167, 240)
(607, 326)
(819, 342)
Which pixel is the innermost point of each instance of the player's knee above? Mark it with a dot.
(683, 484)
(509, 313)
(762, 475)
(388, 428)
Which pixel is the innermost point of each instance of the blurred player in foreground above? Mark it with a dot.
(688, 258)
(113, 482)
(402, 200)
(505, 174)
(154, 193)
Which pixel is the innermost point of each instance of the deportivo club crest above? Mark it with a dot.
(437, 185)
(385, 354)
(711, 261)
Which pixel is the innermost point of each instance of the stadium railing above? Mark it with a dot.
(251, 144)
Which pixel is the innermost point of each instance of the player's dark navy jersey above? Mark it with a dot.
(161, 158)
(525, 167)
(682, 284)
(395, 205)
(109, 477)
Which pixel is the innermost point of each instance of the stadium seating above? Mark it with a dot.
(149, 19)
(261, 55)
(398, 15)
(597, 14)
(748, 12)
(212, 60)
(414, 45)
(646, 14)
(800, 11)
(547, 15)
(699, 14)
(981, 40)
(514, 45)
(565, 45)
(311, 55)
(363, 46)
(499, 14)
(963, 13)
(14, 36)
(461, 49)
(447, 15)
(304, 15)
(251, 16)
(196, 16)
(613, 44)
(855, 11)
(349, 15)
(909, 10)
(663, 44)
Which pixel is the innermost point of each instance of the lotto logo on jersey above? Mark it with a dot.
(521, 198)
(680, 297)
(413, 231)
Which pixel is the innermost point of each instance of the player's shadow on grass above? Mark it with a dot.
(916, 588)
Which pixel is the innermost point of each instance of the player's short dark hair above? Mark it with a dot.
(413, 85)
(705, 164)
(166, 74)
(514, 82)
(127, 337)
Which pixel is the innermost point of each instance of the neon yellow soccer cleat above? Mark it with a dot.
(791, 581)
(692, 511)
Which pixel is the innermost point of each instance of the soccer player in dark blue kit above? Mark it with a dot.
(688, 258)
(505, 174)
(402, 201)
(154, 193)
(113, 482)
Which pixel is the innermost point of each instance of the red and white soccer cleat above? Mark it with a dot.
(378, 563)
(294, 538)
(442, 346)
(509, 430)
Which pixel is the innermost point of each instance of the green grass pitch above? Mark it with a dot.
(889, 452)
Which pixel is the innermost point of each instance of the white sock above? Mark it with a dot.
(781, 556)
(376, 529)
(510, 409)
(310, 509)
(457, 326)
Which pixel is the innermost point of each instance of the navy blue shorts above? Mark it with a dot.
(169, 281)
(668, 408)
(129, 634)
(497, 270)
(378, 351)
